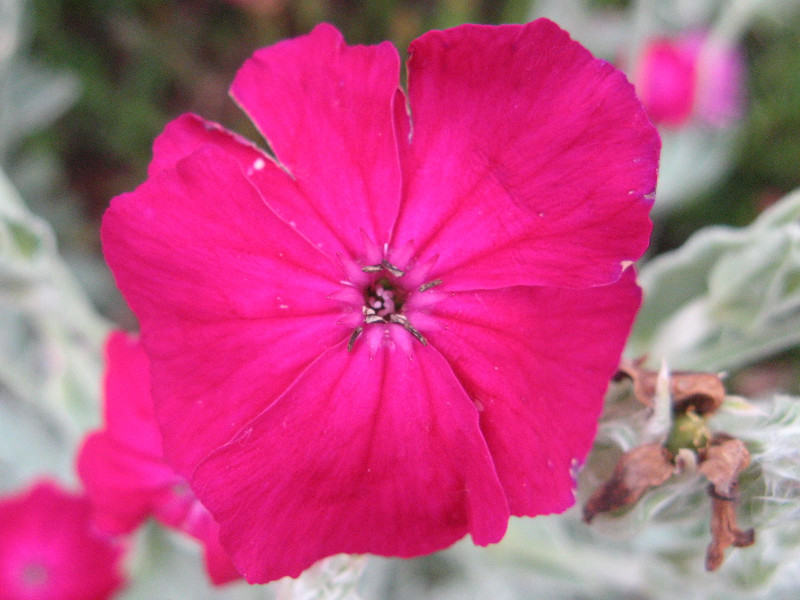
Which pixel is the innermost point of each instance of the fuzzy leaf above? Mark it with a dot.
(50, 343)
(727, 297)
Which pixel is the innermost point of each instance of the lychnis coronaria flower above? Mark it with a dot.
(395, 326)
(50, 551)
(123, 468)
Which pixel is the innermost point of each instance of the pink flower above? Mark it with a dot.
(49, 550)
(400, 330)
(123, 466)
(674, 85)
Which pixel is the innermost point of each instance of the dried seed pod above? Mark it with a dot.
(690, 431)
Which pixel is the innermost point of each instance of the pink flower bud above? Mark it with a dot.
(690, 77)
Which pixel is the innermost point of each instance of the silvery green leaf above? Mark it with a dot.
(693, 159)
(760, 283)
(33, 443)
(163, 564)
(727, 297)
(51, 343)
(10, 14)
(32, 98)
(333, 578)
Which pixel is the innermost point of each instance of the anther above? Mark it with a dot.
(397, 272)
(384, 265)
(353, 337)
(370, 316)
(426, 286)
(403, 320)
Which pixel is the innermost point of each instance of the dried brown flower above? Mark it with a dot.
(636, 471)
(704, 392)
(720, 457)
(724, 530)
(722, 461)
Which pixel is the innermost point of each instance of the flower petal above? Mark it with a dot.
(326, 110)
(201, 525)
(125, 486)
(122, 467)
(128, 406)
(537, 362)
(219, 566)
(190, 132)
(232, 302)
(530, 162)
(361, 454)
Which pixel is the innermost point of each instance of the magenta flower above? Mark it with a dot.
(400, 329)
(686, 77)
(123, 468)
(50, 551)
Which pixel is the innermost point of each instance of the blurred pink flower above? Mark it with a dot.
(123, 469)
(400, 330)
(50, 551)
(685, 77)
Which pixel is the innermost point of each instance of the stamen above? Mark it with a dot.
(397, 272)
(426, 286)
(353, 337)
(384, 264)
(370, 316)
(403, 320)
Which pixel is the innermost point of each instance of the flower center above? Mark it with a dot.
(384, 299)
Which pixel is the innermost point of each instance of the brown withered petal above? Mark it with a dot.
(636, 471)
(724, 530)
(702, 391)
(644, 381)
(722, 462)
